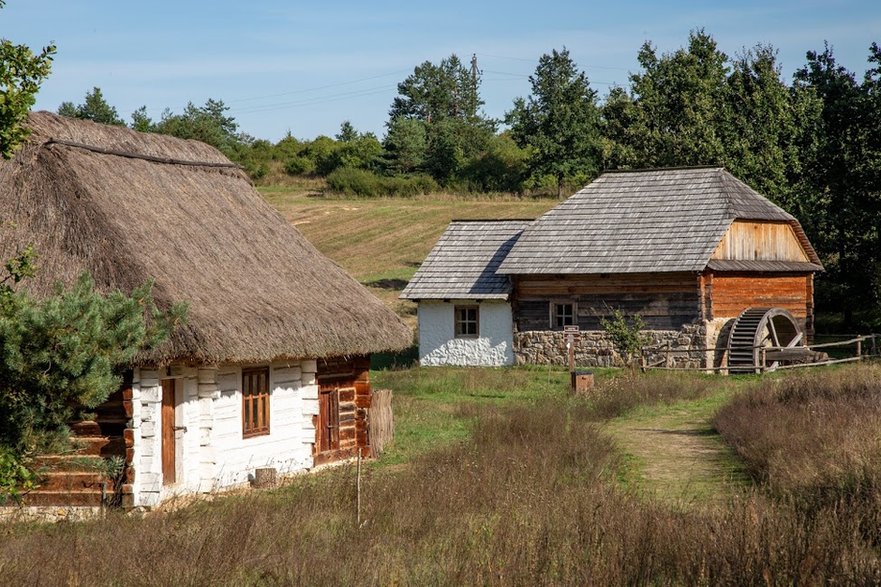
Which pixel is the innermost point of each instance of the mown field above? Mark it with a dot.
(382, 241)
(499, 477)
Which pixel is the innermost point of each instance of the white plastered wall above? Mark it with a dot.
(438, 344)
(211, 453)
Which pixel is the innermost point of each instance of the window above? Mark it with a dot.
(255, 401)
(467, 319)
(562, 315)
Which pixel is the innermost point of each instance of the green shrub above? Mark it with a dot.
(626, 334)
(354, 182)
(16, 476)
(299, 166)
(360, 182)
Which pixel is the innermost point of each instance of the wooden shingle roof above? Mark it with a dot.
(660, 220)
(464, 260)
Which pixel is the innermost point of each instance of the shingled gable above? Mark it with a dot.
(129, 206)
(660, 220)
(464, 260)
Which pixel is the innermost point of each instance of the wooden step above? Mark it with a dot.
(71, 481)
(69, 462)
(87, 497)
(98, 445)
(85, 428)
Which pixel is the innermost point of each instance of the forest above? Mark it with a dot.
(812, 144)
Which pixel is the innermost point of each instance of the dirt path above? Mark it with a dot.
(672, 453)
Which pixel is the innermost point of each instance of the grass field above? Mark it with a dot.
(499, 477)
(382, 241)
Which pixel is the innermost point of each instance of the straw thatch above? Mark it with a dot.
(127, 207)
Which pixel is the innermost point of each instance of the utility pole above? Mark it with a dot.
(474, 69)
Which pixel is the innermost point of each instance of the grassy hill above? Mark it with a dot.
(382, 241)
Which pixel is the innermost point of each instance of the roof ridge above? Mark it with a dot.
(491, 220)
(729, 202)
(133, 155)
(674, 168)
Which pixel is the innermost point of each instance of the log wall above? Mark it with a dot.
(665, 301)
(728, 294)
(349, 377)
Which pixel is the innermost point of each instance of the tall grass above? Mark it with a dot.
(814, 432)
(530, 499)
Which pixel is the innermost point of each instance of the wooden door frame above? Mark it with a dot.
(168, 432)
(332, 392)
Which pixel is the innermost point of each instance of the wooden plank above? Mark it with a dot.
(760, 241)
(733, 293)
(169, 467)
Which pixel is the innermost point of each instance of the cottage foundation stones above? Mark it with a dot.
(595, 348)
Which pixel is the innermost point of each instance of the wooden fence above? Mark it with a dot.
(380, 421)
(863, 347)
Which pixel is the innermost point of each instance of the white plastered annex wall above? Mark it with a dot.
(211, 453)
(438, 344)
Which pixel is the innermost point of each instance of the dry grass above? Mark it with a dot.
(530, 499)
(811, 433)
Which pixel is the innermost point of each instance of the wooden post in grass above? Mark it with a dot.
(860, 345)
(572, 335)
(358, 503)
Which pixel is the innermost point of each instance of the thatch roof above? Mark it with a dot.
(128, 207)
(464, 260)
(658, 220)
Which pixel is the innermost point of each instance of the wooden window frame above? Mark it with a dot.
(255, 401)
(554, 315)
(457, 322)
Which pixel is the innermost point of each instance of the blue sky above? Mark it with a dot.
(307, 66)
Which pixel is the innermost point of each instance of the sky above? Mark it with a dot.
(304, 67)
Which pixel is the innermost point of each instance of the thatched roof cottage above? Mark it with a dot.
(688, 249)
(270, 368)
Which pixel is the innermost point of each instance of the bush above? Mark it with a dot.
(360, 182)
(626, 335)
(16, 476)
(299, 166)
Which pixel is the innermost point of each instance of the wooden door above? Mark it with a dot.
(168, 448)
(328, 420)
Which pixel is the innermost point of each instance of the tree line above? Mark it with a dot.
(812, 145)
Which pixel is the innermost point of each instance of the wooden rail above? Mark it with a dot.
(866, 346)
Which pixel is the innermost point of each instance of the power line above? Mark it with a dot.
(586, 66)
(317, 88)
(313, 101)
(526, 76)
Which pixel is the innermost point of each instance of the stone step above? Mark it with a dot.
(86, 497)
(71, 481)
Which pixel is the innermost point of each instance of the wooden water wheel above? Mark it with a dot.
(764, 328)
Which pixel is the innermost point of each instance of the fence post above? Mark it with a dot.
(380, 421)
(859, 345)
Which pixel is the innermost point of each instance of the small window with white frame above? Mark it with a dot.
(467, 321)
(562, 314)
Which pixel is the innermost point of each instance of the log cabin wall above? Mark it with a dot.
(344, 389)
(728, 294)
(665, 301)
